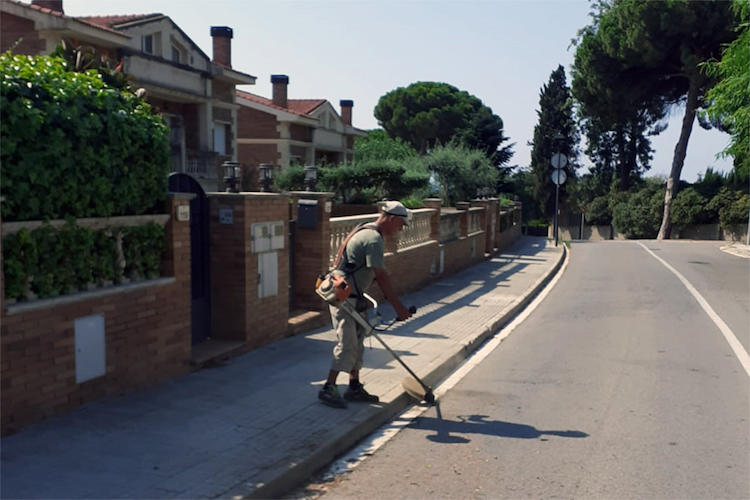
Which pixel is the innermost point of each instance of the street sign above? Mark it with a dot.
(559, 160)
(559, 176)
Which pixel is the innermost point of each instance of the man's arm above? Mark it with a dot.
(384, 282)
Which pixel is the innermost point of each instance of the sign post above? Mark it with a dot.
(558, 161)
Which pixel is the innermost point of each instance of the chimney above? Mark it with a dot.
(346, 110)
(55, 5)
(280, 83)
(222, 36)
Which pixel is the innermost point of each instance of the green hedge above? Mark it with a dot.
(72, 146)
(48, 262)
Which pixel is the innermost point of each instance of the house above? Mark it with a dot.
(194, 93)
(285, 132)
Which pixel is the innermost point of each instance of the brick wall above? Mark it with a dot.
(147, 339)
(250, 156)
(13, 28)
(237, 311)
(311, 247)
(254, 124)
(301, 133)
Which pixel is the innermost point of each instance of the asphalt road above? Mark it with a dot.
(619, 385)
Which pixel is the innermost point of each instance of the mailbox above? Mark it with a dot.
(307, 214)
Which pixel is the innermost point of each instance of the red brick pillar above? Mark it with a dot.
(177, 261)
(464, 207)
(489, 221)
(238, 312)
(434, 203)
(312, 247)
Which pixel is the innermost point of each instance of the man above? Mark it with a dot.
(363, 263)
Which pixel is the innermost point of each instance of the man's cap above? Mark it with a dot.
(396, 208)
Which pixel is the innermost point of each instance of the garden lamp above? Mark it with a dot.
(266, 177)
(232, 174)
(311, 177)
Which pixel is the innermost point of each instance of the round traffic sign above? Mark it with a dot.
(559, 176)
(559, 160)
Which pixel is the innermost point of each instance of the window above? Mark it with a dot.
(175, 54)
(147, 44)
(221, 134)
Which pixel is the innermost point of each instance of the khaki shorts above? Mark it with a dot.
(347, 355)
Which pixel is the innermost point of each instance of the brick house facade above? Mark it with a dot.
(285, 132)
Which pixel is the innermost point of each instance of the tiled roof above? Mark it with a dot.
(50, 12)
(300, 107)
(112, 21)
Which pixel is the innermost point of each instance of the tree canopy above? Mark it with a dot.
(730, 99)
(660, 46)
(427, 114)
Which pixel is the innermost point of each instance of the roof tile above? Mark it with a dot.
(302, 107)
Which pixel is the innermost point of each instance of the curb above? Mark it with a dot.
(348, 437)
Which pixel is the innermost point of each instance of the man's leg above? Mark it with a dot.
(344, 356)
(356, 391)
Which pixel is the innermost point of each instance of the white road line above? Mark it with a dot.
(729, 335)
(388, 431)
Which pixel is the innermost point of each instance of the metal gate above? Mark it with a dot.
(200, 283)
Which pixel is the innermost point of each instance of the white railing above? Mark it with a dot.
(414, 234)
(418, 231)
(342, 226)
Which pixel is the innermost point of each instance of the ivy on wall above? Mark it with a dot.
(48, 262)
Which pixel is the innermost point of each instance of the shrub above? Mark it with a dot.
(74, 146)
(598, 211)
(461, 172)
(688, 207)
(292, 179)
(732, 207)
(639, 216)
(48, 262)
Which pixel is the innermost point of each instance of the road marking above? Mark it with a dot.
(729, 335)
(380, 437)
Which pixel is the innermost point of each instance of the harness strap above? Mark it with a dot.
(354, 231)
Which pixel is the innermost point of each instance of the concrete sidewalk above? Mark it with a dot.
(254, 427)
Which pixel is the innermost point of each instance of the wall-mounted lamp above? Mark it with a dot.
(266, 177)
(311, 177)
(232, 172)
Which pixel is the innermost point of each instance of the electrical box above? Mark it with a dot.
(268, 274)
(267, 236)
(90, 350)
(307, 214)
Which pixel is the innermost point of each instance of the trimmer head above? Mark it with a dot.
(414, 389)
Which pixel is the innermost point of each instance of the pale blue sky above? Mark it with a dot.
(501, 51)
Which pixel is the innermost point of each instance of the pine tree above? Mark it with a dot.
(555, 119)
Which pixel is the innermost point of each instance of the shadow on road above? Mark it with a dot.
(451, 431)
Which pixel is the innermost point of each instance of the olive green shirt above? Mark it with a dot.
(364, 252)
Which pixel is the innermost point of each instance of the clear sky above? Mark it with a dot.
(501, 51)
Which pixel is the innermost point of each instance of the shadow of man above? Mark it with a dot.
(452, 431)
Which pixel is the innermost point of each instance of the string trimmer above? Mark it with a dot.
(419, 391)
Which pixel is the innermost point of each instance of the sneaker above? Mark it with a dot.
(330, 396)
(360, 394)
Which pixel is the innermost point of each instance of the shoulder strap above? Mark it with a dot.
(354, 231)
